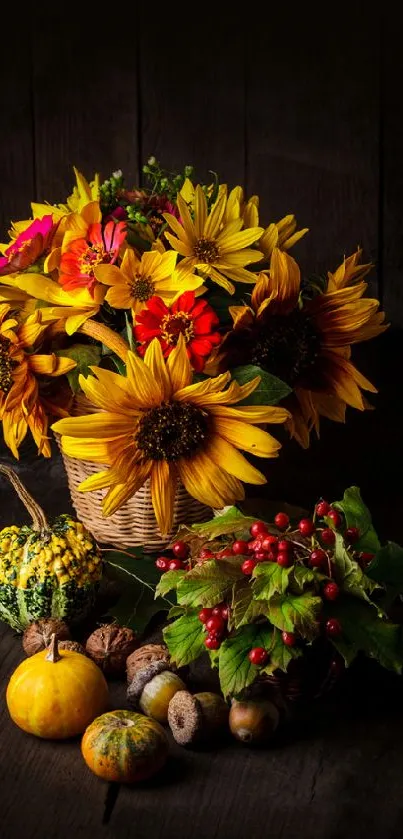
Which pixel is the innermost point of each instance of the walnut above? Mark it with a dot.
(37, 635)
(109, 646)
(74, 646)
(146, 655)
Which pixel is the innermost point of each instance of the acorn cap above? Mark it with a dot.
(142, 678)
(185, 718)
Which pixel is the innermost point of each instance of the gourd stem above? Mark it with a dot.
(53, 654)
(38, 516)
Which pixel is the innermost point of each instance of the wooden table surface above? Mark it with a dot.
(335, 772)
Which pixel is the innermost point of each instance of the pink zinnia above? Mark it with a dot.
(29, 246)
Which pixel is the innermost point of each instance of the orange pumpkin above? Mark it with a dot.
(56, 694)
(124, 746)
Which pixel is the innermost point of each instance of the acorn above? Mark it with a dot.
(145, 655)
(74, 646)
(253, 721)
(197, 718)
(152, 689)
(37, 635)
(109, 646)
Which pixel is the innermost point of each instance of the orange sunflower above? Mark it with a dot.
(306, 343)
(158, 424)
(21, 404)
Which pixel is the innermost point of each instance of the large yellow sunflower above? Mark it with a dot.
(308, 346)
(157, 424)
(21, 405)
(139, 278)
(218, 249)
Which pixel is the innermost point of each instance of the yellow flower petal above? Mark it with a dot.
(178, 366)
(154, 360)
(50, 365)
(149, 392)
(244, 436)
(163, 483)
(227, 457)
(105, 425)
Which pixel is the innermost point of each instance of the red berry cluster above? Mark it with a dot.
(176, 562)
(215, 623)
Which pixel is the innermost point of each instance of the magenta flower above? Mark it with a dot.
(29, 246)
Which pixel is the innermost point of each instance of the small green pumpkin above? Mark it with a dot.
(46, 571)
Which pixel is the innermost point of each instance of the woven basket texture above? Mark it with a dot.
(134, 524)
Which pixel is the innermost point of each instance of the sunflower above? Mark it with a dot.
(156, 424)
(307, 343)
(21, 406)
(219, 249)
(187, 316)
(140, 278)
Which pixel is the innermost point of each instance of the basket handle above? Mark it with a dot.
(39, 520)
(99, 332)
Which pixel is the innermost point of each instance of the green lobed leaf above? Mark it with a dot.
(364, 631)
(291, 612)
(270, 579)
(387, 566)
(230, 522)
(300, 578)
(84, 355)
(185, 639)
(176, 612)
(244, 608)
(350, 574)
(209, 583)
(236, 672)
(269, 391)
(357, 515)
(280, 654)
(169, 581)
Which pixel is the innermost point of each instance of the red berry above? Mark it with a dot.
(272, 556)
(328, 536)
(205, 553)
(240, 547)
(162, 563)
(180, 550)
(366, 558)
(212, 643)
(322, 508)
(215, 624)
(225, 552)
(254, 545)
(333, 628)
(306, 527)
(257, 528)
(258, 656)
(352, 535)
(248, 566)
(335, 516)
(289, 638)
(261, 556)
(281, 520)
(269, 542)
(283, 559)
(318, 558)
(175, 565)
(284, 545)
(204, 615)
(331, 591)
(224, 613)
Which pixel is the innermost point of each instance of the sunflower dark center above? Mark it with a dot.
(171, 431)
(206, 250)
(174, 325)
(288, 346)
(142, 288)
(6, 366)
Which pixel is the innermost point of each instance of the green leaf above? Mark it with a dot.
(300, 578)
(349, 573)
(84, 355)
(364, 631)
(230, 522)
(169, 581)
(270, 579)
(185, 639)
(291, 612)
(280, 654)
(235, 670)
(245, 609)
(136, 577)
(209, 583)
(176, 612)
(357, 515)
(269, 391)
(221, 303)
(387, 566)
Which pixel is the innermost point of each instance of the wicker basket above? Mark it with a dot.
(134, 524)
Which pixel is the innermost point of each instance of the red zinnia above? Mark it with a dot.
(195, 319)
(83, 255)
